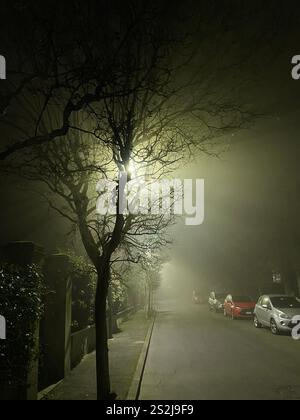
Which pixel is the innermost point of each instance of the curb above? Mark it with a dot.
(43, 394)
(135, 388)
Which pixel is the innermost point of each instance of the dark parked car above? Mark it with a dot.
(198, 299)
(216, 301)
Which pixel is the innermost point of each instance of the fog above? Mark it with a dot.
(251, 207)
(251, 190)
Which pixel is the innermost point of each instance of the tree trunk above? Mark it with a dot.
(102, 357)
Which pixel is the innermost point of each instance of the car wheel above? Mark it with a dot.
(257, 324)
(274, 328)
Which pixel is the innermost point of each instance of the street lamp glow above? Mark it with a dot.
(132, 169)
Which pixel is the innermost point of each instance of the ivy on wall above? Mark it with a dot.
(21, 305)
(84, 280)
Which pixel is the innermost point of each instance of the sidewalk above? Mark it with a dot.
(124, 351)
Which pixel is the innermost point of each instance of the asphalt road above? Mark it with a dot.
(198, 355)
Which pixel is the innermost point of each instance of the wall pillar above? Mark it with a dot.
(56, 325)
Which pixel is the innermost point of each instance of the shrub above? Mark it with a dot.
(84, 280)
(20, 304)
(119, 296)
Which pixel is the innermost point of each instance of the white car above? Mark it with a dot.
(277, 312)
(216, 301)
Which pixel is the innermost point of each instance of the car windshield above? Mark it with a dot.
(220, 296)
(285, 302)
(242, 299)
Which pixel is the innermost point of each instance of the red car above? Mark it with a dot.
(239, 307)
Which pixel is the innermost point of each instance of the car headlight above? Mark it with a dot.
(285, 316)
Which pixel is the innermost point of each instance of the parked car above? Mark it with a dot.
(198, 299)
(216, 301)
(276, 312)
(239, 307)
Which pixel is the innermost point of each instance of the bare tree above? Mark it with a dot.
(55, 67)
